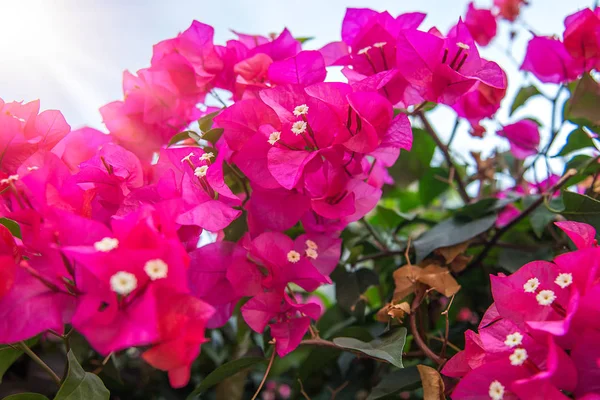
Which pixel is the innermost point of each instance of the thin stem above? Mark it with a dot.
(264, 379)
(373, 233)
(520, 217)
(383, 254)
(216, 96)
(302, 390)
(39, 362)
(447, 330)
(454, 130)
(415, 331)
(462, 191)
(335, 392)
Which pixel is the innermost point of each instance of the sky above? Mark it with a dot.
(71, 53)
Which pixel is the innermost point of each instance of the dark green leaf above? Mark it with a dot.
(8, 355)
(585, 166)
(235, 230)
(513, 259)
(26, 396)
(12, 226)
(388, 347)
(350, 285)
(524, 94)
(394, 382)
(450, 232)
(181, 136)
(582, 107)
(413, 165)
(205, 123)
(213, 135)
(540, 217)
(581, 208)
(578, 139)
(225, 371)
(81, 385)
(388, 218)
(304, 39)
(432, 184)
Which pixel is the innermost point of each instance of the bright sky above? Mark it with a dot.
(71, 53)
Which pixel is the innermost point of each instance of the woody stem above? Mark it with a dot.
(415, 331)
(264, 379)
(39, 362)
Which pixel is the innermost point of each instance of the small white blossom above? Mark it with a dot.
(123, 283)
(513, 339)
(518, 357)
(312, 253)
(293, 256)
(563, 280)
(187, 158)
(200, 172)
(207, 156)
(299, 127)
(301, 110)
(107, 244)
(156, 269)
(496, 391)
(311, 245)
(531, 285)
(274, 138)
(545, 297)
(11, 178)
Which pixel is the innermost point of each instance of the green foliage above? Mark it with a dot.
(26, 396)
(12, 226)
(81, 385)
(10, 353)
(524, 94)
(582, 106)
(388, 347)
(394, 382)
(578, 139)
(581, 208)
(414, 164)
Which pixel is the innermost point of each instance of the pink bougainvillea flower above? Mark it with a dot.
(481, 24)
(482, 101)
(79, 146)
(443, 69)
(305, 68)
(582, 36)
(583, 235)
(586, 355)
(548, 60)
(524, 138)
(509, 9)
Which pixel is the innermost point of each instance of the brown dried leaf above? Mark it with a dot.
(393, 311)
(433, 385)
(405, 278)
(439, 279)
(460, 263)
(451, 252)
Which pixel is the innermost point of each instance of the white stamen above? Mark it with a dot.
(33, 168)
(531, 285)
(123, 283)
(274, 138)
(563, 280)
(514, 339)
(463, 46)
(156, 269)
(379, 44)
(107, 244)
(200, 172)
(496, 391)
(518, 357)
(311, 245)
(187, 158)
(364, 50)
(293, 256)
(545, 297)
(10, 179)
(312, 253)
(301, 110)
(207, 156)
(299, 127)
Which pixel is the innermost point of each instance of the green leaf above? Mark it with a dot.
(432, 184)
(585, 166)
(394, 382)
(524, 94)
(8, 355)
(225, 371)
(388, 347)
(81, 385)
(388, 218)
(582, 107)
(578, 139)
(205, 123)
(541, 216)
(26, 396)
(450, 232)
(213, 135)
(304, 39)
(12, 226)
(483, 207)
(581, 208)
(350, 285)
(237, 228)
(181, 136)
(413, 165)
(513, 259)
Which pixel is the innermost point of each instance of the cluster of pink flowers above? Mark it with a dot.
(540, 337)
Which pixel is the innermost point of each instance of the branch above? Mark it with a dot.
(459, 183)
(39, 362)
(373, 233)
(520, 217)
(415, 331)
(264, 379)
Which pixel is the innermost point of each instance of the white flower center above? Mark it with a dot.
(514, 339)
(545, 297)
(563, 280)
(187, 158)
(301, 110)
(463, 46)
(496, 391)
(200, 172)
(312, 253)
(293, 256)
(311, 245)
(274, 138)
(518, 357)
(156, 269)
(10, 179)
(107, 244)
(207, 156)
(531, 285)
(123, 283)
(299, 127)
(379, 44)
(33, 168)
(364, 50)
